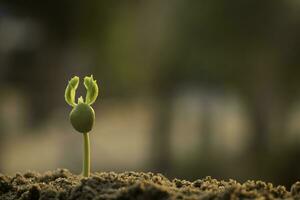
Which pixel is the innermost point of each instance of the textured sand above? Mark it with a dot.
(62, 185)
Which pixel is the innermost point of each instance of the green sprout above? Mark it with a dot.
(82, 116)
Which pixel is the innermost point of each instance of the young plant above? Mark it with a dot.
(82, 116)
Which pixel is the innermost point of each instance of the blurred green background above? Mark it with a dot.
(187, 88)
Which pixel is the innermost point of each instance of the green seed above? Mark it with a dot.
(82, 118)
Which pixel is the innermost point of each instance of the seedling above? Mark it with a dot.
(82, 116)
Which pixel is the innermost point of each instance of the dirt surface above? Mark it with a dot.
(62, 184)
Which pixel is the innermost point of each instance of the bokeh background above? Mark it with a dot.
(187, 88)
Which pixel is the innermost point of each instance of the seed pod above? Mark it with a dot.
(82, 117)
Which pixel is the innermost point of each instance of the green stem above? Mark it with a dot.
(86, 155)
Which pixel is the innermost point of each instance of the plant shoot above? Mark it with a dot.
(82, 116)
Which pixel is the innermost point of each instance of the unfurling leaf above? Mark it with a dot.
(92, 90)
(71, 91)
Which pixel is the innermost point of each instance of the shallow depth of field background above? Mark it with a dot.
(187, 88)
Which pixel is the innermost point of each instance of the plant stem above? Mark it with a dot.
(86, 155)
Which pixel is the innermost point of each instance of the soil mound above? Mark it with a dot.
(63, 185)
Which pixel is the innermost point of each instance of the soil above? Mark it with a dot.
(63, 185)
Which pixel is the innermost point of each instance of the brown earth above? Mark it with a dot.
(62, 185)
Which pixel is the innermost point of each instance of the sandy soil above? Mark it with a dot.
(63, 185)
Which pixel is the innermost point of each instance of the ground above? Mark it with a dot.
(63, 185)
